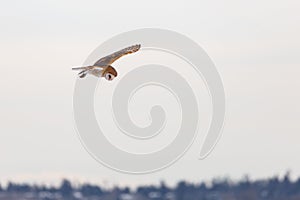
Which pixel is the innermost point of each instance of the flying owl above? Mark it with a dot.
(103, 68)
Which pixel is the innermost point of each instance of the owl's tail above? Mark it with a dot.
(83, 73)
(78, 68)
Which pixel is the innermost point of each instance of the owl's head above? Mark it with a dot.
(110, 73)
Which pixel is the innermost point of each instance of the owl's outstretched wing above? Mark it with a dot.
(108, 60)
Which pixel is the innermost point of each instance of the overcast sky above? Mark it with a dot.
(254, 44)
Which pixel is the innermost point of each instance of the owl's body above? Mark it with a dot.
(103, 68)
(96, 71)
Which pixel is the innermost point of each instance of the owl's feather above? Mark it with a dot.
(108, 60)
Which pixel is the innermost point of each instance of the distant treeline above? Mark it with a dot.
(268, 189)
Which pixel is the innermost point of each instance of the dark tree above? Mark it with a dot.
(266, 189)
(13, 187)
(180, 190)
(90, 190)
(66, 188)
(163, 188)
(126, 190)
(146, 190)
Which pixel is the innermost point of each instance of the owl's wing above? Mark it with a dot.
(108, 60)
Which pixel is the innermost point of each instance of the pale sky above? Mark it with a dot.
(254, 44)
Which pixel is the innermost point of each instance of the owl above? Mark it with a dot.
(103, 68)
